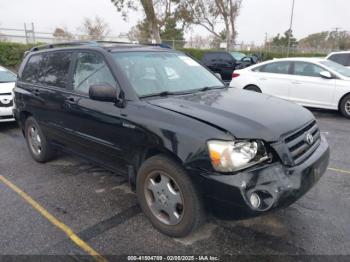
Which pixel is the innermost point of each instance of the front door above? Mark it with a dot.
(93, 125)
(308, 88)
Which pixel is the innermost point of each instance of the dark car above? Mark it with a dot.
(169, 125)
(224, 63)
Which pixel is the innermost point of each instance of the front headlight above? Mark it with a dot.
(229, 156)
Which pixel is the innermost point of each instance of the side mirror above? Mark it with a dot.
(247, 59)
(103, 92)
(218, 75)
(326, 75)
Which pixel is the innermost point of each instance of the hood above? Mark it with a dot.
(6, 87)
(245, 114)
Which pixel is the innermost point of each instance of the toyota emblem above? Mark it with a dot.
(5, 101)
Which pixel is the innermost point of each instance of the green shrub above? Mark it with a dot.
(11, 54)
(199, 53)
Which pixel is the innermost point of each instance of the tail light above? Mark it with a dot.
(234, 75)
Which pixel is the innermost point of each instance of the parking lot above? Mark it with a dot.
(101, 210)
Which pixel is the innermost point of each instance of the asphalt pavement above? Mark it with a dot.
(99, 208)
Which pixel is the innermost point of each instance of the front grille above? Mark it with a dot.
(6, 117)
(299, 148)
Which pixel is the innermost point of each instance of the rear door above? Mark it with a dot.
(46, 78)
(309, 88)
(93, 126)
(211, 60)
(226, 65)
(274, 78)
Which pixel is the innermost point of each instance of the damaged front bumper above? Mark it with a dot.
(267, 187)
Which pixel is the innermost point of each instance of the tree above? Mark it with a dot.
(95, 29)
(211, 14)
(62, 34)
(158, 13)
(171, 31)
(327, 40)
(280, 40)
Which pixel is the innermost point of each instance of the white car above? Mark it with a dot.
(7, 83)
(311, 82)
(342, 57)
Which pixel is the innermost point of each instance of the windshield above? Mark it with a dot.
(238, 55)
(7, 76)
(162, 72)
(337, 67)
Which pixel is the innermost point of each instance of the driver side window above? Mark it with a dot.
(91, 69)
(307, 69)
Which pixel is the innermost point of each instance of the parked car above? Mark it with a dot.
(342, 58)
(311, 82)
(169, 125)
(224, 63)
(7, 83)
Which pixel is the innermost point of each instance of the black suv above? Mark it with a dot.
(224, 63)
(169, 125)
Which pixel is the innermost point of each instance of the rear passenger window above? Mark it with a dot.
(91, 69)
(276, 68)
(57, 69)
(210, 57)
(30, 72)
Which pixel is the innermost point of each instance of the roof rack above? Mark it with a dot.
(91, 43)
(72, 43)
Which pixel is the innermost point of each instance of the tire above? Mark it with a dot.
(345, 106)
(190, 214)
(253, 88)
(37, 143)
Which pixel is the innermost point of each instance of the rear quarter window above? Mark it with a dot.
(31, 69)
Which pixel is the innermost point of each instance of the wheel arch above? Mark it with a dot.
(253, 85)
(341, 99)
(23, 115)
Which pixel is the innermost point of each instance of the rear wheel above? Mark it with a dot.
(345, 106)
(253, 88)
(37, 143)
(168, 197)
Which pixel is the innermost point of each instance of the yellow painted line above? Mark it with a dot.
(339, 170)
(69, 232)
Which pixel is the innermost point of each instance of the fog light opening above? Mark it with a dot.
(255, 200)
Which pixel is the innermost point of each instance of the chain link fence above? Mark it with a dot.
(29, 35)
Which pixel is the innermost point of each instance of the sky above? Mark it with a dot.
(257, 17)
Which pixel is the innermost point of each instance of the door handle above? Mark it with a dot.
(36, 92)
(263, 78)
(296, 83)
(70, 100)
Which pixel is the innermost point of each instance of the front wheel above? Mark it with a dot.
(37, 143)
(168, 197)
(345, 106)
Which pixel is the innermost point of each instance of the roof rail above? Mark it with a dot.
(72, 43)
(91, 43)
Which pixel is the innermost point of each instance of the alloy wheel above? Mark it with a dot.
(34, 140)
(347, 107)
(164, 198)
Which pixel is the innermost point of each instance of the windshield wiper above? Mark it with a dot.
(169, 93)
(165, 93)
(206, 88)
